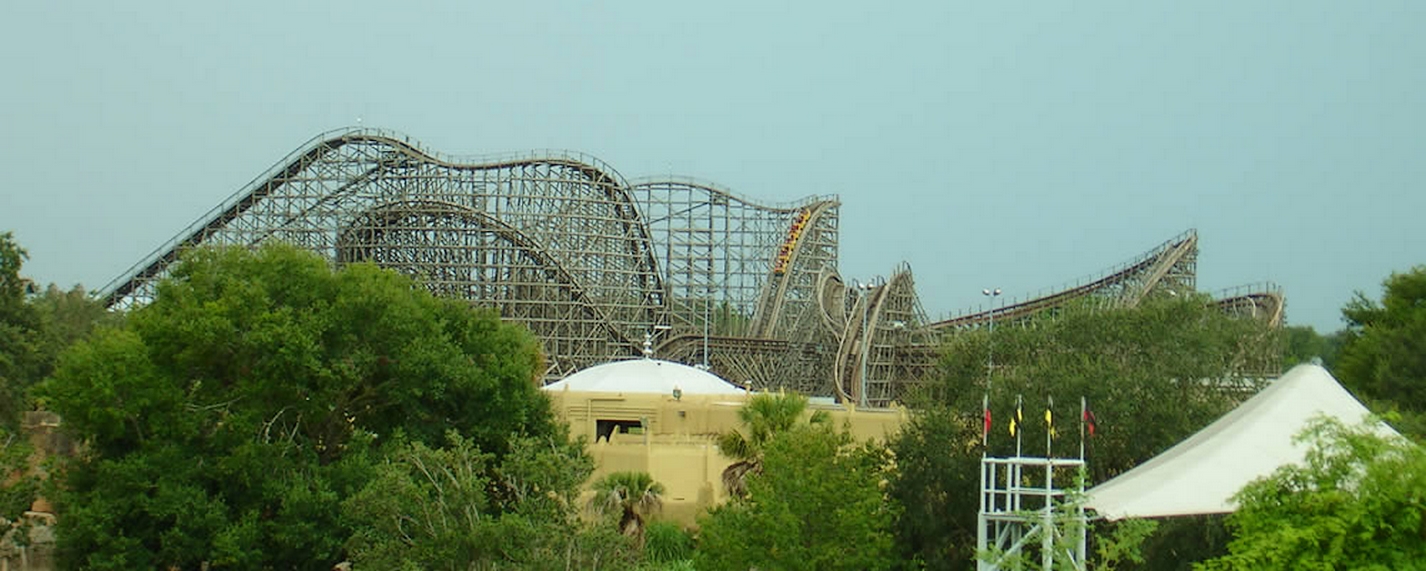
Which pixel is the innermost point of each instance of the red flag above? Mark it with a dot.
(985, 408)
(1089, 420)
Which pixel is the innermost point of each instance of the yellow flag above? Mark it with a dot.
(1050, 423)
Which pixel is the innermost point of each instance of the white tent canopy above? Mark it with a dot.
(1199, 475)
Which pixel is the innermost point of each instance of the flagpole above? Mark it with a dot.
(1019, 420)
(1049, 426)
(985, 426)
(1083, 415)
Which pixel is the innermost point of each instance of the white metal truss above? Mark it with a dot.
(1025, 514)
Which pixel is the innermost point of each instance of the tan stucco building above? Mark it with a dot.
(663, 418)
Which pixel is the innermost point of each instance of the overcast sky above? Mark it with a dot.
(1019, 145)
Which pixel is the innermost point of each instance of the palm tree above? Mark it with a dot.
(763, 417)
(632, 494)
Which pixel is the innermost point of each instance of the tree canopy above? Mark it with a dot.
(817, 504)
(458, 508)
(1356, 503)
(1383, 360)
(22, 360)
(225, 422)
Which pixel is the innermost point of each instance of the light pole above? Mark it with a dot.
(990, 338)
(707, 318)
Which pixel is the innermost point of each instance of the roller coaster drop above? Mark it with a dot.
(593, 263)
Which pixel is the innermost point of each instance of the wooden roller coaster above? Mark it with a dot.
(593, 264)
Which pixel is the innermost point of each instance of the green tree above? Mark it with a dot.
(18, 368)
(21, 347)
(225, 422)
(1383, 360)
(764, 416)
(66, 317)
(455, 508)
(631, 495)
(1152, 376)
(1356, 503)
(817, 504)
(19, 488)
(1303, 344)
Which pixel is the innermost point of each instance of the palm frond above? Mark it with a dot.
(735, 477)
(733, 445)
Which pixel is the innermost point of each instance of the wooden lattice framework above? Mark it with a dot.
(593, 264)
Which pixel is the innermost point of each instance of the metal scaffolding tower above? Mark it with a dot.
(1024, 514)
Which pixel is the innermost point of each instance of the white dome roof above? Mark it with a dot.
(645, 376)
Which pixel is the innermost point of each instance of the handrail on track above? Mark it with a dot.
(1115, 274)
(1248, 290)
(694, 182)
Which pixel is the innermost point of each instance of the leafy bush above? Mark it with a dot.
(666, 542)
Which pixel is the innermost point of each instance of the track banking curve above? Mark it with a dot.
(594, 264)
(1171, 266)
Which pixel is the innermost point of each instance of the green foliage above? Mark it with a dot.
(817, 504)
(1356, 503)
(1178, 543)
(19, 367)
(1151, 376)
(666, 543)
(1383, 360)
(1122, 542)
(21, 350)
(226, 422)
(425, 507)
(17, 487)
(680, 565)
(1304, 344)
(456, 508)
(12, 258)
(936, 482)
(66, 317)
(630, 495)
(730, 321)
(764, 416)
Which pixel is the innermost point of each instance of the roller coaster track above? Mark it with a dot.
(557, 241)
(886, 348)
(591, 263)
(568, 214)
(1264, 302)
(1170, 266)
(799, 273)
(745, 276)
(396, 217)
(759, 364)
